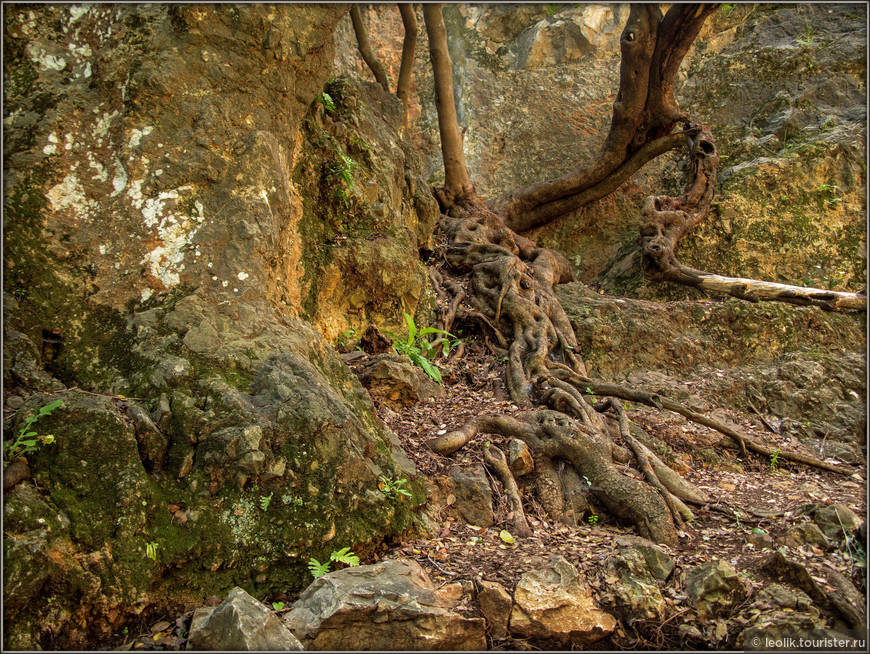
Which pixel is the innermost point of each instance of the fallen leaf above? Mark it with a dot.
(505, 535)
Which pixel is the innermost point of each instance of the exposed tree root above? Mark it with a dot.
(496, 460)
(489, 274)
(664, 220)
(554, 435)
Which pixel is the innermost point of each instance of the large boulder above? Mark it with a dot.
(388, 606)
(552, 603)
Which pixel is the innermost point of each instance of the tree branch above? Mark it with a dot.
(365, 49)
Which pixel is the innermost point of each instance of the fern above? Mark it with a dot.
(317, 568)
(344, 556)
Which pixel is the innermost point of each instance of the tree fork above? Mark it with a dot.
(645, 111)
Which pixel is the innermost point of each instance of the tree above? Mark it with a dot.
(491, 275)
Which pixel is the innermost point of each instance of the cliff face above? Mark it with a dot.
(782, 88)
(178, 238)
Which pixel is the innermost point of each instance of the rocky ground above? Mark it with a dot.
(758, 507)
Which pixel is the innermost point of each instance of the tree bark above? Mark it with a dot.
(457, 183)
(409, 46)
(365, 49)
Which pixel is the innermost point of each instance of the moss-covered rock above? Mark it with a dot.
(155, 237)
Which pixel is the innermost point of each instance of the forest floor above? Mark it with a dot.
(730, 528)
(727, 529)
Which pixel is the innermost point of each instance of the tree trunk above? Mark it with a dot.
(409, 45)
(457, 183)
(492, 276)
(365, 49)
(644, 113)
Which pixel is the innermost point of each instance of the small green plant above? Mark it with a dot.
(726, 10)
(419, 350)
(830, 191)
(326, 100)
(265, 500)
(593, 519)
(393, 488)
(808, 38)
(774, 459)
(342, 172)
(27, 439)
(346, 337)
(278, 605)
(151, 550)
(343, 555)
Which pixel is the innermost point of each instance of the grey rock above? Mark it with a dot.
(631, 590)
(473, 494)
(203, 338)
(391, 605)
(170, 370)
(714, 587)
(806, 534)
(836, 520)
(397, 382)
(240, 624)
(552, 603)
(14, 401)
(660, 564)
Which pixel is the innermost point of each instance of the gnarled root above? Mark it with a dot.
(557, 436)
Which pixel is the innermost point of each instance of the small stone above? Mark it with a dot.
(714, 587)
(806, 534)
(520, 457)
(495, 604)
(14, 402)
(835, 519)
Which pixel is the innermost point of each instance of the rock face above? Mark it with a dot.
(240, 624)
(388, 606)
(553, 604)
(175, 250)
